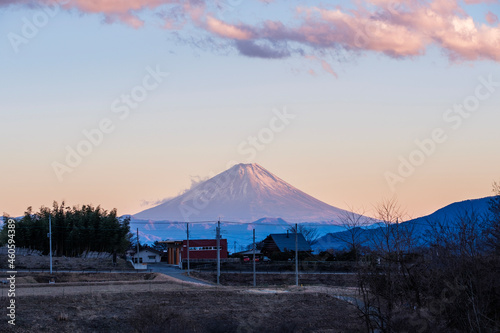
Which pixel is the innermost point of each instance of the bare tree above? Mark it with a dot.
(354, 236)
(311, 234)
(451, 285)
(492, 232)
(394, 237)
(462, 260)
(390, 283)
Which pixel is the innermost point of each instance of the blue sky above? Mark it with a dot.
(358, 108)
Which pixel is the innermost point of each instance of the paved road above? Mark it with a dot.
(174, 272)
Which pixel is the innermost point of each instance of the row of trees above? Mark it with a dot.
(442, 279)
(75, 230)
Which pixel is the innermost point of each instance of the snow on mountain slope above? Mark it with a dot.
(243, 193)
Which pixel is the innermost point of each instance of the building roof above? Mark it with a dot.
(210, 241)
(150, 249)
(287, 241)
(249, 252)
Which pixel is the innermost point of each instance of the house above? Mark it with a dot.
(249, 253)
(146, 255)
(283, 243)
(204, 249)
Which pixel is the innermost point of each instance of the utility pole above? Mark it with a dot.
(218, 251)
(137, 254)
(187, 249)
(296, 255)
(50, 242)
(254, 280)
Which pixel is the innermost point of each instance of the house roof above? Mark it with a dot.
(249, 252)
(287, 241)
(150, 249)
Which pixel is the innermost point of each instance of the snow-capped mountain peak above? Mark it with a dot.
(245, 193)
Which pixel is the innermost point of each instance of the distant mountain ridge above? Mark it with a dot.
(243, 193)
(420, 225)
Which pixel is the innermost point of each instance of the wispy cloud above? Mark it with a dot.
(475, 2)
(396, 28)
(153, 203)
(251, 48)
(195, 181)
(325, 65)
(226, 30)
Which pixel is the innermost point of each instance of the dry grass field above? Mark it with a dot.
(65, 263)
(157, 303)
(44, 278)
(230, 279)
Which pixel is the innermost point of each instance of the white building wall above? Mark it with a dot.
(145, 256)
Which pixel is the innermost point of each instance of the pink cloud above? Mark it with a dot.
(398, 31)
(358, 32)
(121, 10)
(227, 30)
(124, 11)
(311, 72)
(115, 6)
(125, 18)
(173, 24)
(325, 65)
(491, 18)
(195, 10)
(474, 2)
(397, 28)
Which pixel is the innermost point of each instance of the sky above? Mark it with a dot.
(125, 103)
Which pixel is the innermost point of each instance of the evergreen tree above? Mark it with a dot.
(74, 230)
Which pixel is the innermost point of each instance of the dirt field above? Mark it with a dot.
(64, 263)
(176, 307)
(230, 279)
(41, 278)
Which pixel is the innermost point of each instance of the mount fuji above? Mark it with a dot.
(243, 193)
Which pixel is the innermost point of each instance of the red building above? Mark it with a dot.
(204, 249)
(172, 253)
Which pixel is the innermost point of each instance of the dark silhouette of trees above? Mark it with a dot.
(75, 230)
(448, 284)
(157, 246)
(354, 235)
(388, 283)
(492, 233)
(311, 234)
